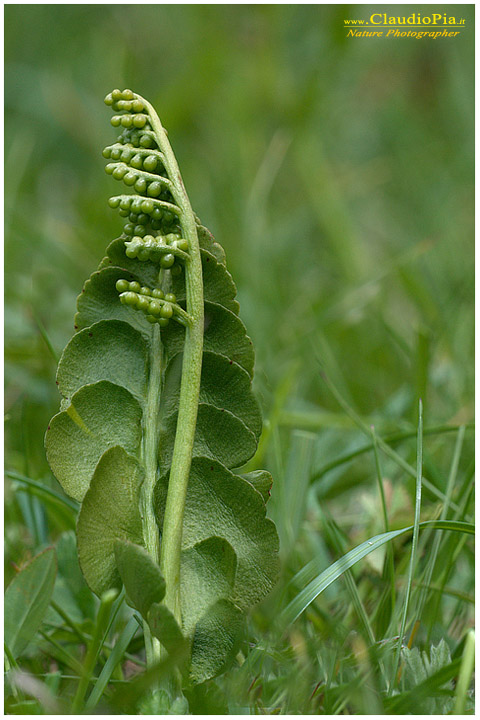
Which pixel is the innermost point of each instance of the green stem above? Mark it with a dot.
(150, 462)
(190, 381)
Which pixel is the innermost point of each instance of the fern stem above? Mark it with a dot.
(190, 382)
(150, 455)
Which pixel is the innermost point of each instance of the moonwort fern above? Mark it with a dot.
(157, 410)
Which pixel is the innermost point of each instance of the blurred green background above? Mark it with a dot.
(338, 175)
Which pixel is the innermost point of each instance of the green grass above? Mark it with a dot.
(338, 176)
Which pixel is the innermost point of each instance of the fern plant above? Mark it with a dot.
(157, 411)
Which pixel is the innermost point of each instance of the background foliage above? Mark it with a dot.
(338, 175)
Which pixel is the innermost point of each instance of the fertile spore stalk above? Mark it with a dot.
(138, 113)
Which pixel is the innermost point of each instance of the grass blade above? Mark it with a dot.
(436, 543)
(387, 440)
(413, 555)
(292, 497)
(113, 659)
(71, 504)
(465, 674)
(383, 445)
(45, 336)
(357, 603)
(390, 560)
(306, 596)
(60, 654)
(94, 648)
